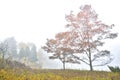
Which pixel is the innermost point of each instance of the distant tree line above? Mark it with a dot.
(25, 53)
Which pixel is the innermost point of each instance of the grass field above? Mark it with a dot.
(17, 74)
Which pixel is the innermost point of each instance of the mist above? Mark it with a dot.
(31, 23)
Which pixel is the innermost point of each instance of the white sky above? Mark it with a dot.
(36, 20)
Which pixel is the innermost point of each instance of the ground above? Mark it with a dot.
(20, 74)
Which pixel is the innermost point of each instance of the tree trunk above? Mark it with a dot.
(63, 62)
(64, 65)
(91, 67)
(89, 51)
(90, 61)
(3, 58)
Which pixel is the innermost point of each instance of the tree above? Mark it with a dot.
(33, 52)
(41, 58)
(23, 50)
(3, 49)
(12, 48)
(60, 49)
(27, 53)
(88, 35)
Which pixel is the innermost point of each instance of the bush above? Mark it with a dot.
(2, 65)
(114, 69)
(7, 64)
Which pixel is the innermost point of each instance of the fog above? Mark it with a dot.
(31, 21)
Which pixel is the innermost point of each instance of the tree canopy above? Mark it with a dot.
(81, 42)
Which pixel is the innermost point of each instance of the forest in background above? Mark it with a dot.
(24, 53)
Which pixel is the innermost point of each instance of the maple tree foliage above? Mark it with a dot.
(88, 35)
(60, 48)
(82, 41)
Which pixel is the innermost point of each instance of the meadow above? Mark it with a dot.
(20, 74)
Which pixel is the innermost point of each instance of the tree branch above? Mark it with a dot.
(80, 59)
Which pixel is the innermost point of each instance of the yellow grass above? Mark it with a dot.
(56, 75)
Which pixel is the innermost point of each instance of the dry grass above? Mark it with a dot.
(57, 75)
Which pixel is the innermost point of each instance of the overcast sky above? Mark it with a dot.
(36, 20)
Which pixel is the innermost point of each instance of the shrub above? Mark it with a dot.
(114, 69)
